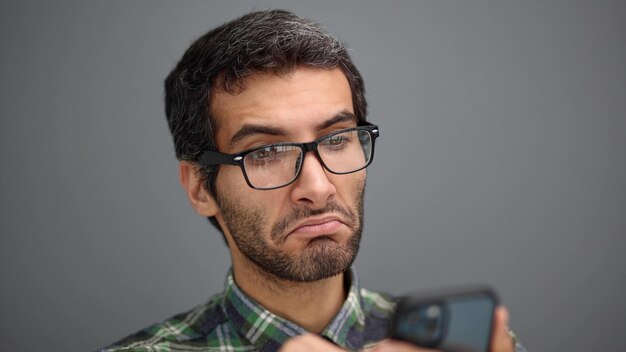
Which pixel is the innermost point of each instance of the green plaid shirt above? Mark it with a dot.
(232, 321)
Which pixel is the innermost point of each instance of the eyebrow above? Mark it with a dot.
(249, 130)
(343, 116)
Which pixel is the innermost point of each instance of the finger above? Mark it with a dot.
(397, 346)
(308, 342)
(500, 340)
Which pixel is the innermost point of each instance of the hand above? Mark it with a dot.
(500, 342)
(309, 342)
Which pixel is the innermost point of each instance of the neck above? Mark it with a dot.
(311, 305)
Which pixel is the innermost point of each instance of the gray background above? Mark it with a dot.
(501, 160)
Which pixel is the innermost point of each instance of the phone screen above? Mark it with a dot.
(469, 324)
(459, 321)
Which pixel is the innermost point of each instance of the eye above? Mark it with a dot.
(264, 153)
(337, 140)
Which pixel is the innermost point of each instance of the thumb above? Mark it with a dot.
(500, 340)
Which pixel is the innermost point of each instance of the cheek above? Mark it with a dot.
(230, 180)
(231, 184)
(351, 186)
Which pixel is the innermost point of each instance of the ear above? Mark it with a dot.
(199, 198)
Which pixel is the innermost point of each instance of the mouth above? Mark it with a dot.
(317, 227)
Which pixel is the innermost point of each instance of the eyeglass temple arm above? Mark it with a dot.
(211, 157)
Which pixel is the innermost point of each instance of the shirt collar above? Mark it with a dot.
(347, 327)
(267, 331)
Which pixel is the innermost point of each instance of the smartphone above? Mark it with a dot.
(459, 320)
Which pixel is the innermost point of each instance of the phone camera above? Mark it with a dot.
(425, 325)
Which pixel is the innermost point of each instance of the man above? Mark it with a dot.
(268, 118)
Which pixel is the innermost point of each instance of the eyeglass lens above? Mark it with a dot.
(277, 165)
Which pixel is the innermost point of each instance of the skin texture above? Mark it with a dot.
(289, 246)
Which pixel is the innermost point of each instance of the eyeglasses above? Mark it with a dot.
(278, 165)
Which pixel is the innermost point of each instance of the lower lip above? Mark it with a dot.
(323, 229)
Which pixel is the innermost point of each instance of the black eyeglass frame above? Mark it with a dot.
(211, 157)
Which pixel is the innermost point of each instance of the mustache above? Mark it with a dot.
(298, 214)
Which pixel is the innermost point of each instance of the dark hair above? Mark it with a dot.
(275, 41)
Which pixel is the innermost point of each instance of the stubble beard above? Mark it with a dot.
(321, 258)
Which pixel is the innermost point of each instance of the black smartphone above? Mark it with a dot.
(451, 321)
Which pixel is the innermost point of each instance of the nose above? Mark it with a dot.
(313, 188)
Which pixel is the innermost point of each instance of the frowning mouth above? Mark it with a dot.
(316, 227)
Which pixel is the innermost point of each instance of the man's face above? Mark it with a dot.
(310, 229)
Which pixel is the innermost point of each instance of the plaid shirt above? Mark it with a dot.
(232, 321)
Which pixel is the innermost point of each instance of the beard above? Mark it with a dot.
(321, 258)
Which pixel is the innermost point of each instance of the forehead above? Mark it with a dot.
(296, 103)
